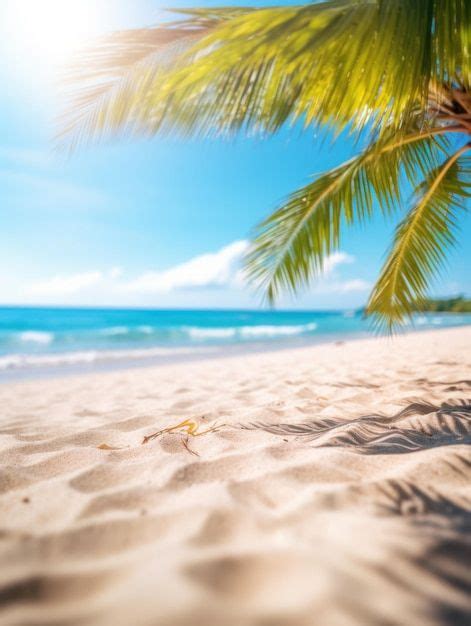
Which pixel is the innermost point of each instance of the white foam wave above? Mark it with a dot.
(115, 331)
(274, 331)
(20, 361)
(196, 332)
(57, 359)
(146, 330)
(36, 336)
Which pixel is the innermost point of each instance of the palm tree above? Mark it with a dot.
(394, 74)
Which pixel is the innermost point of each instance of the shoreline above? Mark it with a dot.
(201, 354)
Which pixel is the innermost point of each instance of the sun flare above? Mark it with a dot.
(47, 32)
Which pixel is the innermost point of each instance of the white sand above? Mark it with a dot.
(362, 522)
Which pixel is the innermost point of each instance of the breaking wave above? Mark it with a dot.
(248, 332)
(19, 361)
(36, 336)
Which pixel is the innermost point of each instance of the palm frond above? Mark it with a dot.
(421, 240)
(338, 63)
(291, 245)
(108, 84)
(398, 71)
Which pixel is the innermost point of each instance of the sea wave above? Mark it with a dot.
(124, 331)
(275, 331)
(36, 336)
(196, 332)
(247, 332)
(423, 320)
(115, 331)
(146, 330)
(20, 361)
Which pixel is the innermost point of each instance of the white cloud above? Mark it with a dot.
(331, 282)
(335, 259)
(222, 269)
(115, 272)
(65, 285)
(219, 269)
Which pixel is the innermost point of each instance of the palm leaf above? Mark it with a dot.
(340, 63)
(107, 85)
(393, 70)
(291, 245)
(421, 240)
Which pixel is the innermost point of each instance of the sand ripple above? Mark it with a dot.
(337, 494)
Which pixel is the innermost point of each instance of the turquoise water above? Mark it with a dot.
(41, 338)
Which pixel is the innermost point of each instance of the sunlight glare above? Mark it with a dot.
(46, 32)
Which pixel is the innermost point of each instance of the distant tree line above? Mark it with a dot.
(459, 304)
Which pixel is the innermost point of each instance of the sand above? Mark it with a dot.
(347, 501)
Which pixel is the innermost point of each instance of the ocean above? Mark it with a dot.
(40, 340)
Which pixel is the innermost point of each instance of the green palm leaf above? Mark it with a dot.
(291, 245)
(421, 241)
(222, 70)
(108, 85)
(398, 72)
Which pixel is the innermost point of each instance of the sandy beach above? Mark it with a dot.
(344, 499)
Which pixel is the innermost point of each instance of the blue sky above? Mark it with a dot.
(158, 222)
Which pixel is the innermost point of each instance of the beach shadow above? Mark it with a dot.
(420, 425)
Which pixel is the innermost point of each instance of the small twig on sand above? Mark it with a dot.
(189, 427)
(186, 445)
